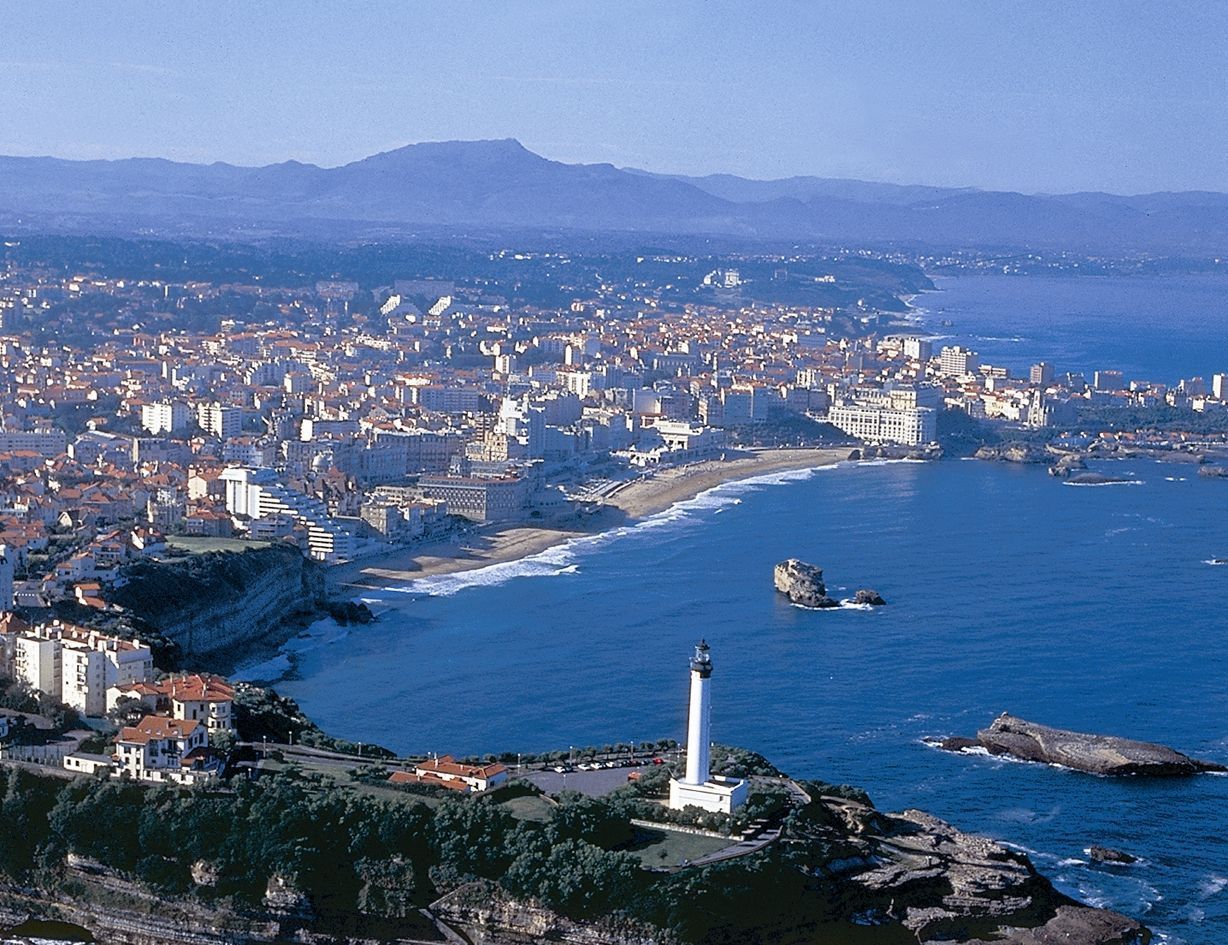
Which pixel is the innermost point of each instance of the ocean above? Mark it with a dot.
(1153, 328)
(1088, 607)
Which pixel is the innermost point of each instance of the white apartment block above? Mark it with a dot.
(84, 680)
(955, 361)
(77, 666)
(910, 426)
(918, 349)
(36, 662)
(220, 421)
(169, 417)
(257, 493)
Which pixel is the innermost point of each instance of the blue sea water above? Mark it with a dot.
(1086, 607)
(1154, 328)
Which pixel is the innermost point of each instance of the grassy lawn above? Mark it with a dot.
(529, 807)
(671, 848)
(200, 546)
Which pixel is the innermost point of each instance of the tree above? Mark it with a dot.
(575, 878)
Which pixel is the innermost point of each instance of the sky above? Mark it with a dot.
(1033, 96)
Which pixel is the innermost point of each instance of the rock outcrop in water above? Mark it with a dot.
(1096, 479)
(1013, 453)
(1067, 464)
(802, 583)
(1095, 754)
(1109, 855)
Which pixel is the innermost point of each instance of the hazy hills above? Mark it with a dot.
(501, 185)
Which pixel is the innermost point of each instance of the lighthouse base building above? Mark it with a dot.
(700, 788)
(717, 794)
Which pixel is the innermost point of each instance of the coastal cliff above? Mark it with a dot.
(847, 873)
(214, 604)
(293, 857)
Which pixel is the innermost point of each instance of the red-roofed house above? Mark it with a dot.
(447, 768)
(160, 749)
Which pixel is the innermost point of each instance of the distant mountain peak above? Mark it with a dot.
(500, 184)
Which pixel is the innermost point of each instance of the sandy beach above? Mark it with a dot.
(639, 498)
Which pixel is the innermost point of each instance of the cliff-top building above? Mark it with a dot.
(700, 788)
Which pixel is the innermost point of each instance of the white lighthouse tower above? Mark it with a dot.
(699, 788)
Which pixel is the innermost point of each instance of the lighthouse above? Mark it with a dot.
(699, 788)
(698, 739)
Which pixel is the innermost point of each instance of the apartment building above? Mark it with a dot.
(220, 421)
(258, 493)
(77, 666)
(956, 361)
(170, 417)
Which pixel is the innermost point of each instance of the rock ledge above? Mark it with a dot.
(1096, 754)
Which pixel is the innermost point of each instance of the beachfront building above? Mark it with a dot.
(910, 426)
(479, 498)
(675, 442)
(700, 788)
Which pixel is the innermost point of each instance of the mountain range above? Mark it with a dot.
(500, 185)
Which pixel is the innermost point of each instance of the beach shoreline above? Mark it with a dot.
(637, 499)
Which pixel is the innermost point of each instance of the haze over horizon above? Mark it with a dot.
(1126, 98)
(647, 170)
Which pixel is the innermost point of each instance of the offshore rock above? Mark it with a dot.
(1070, 462)
(1096, 754)
(1213, 472)
(802, 583)
(1109, 855)
(1096, 479)
(867, 595)
(1013, 453)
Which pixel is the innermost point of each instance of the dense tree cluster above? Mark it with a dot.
(369, 858)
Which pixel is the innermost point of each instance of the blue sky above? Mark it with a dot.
(1033, 96)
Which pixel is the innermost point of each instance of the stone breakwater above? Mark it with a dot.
(1096, 754)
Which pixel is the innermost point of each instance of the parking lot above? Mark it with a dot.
(593, 783)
